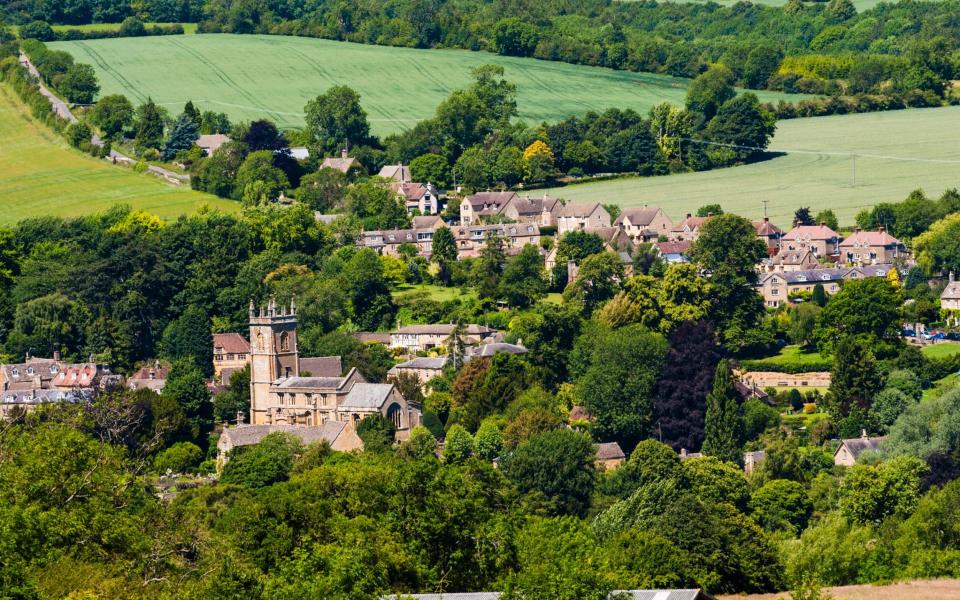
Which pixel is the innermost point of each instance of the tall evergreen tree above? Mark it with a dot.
(722, 422)
(182, 136)
(680, 399)
(194, 113)
(149, 126)
(444, 252)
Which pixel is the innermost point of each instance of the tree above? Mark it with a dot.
(539, 161)
(132, 27)
(370, 297)
(431, 168)
(191, 111)
(679, 403)
(714, 481)
(324, 190)
(710, 210)
(264, 464)
(335, 119)
(522, 283)
(781, 504)
(722, 421)
(828, 218)
(78, 135)
(181, 457)
(235, 400)
(214, 122)
(444, 252)
(149, 126)
(182, 136)
(840, 10)
(598, 280)
(264, 135)
(112, 114)
(870, 493)
(515, 37)
(862, 307)
(762, 62)
(617, 383)
(489, 266)
(855, 377)
(886, 407)
(189, 336)
(458, 445)
(79, 84)
(37, 30)
(559, 465)
(48, 324)
(802, 216)
(377, 433)
(186, 384)
(258, 180)
(938, 249)
(488, 443)
(803, 324)
(710, 90)
(744, 127)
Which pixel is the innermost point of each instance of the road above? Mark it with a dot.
(63, 111)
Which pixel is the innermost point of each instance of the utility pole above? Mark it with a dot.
(765, 207)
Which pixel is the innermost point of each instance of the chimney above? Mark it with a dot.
(823, 223)
(239, 417)
(709, 214)
(343, 153)
(766, 219)
(951, 276)
(881, 229)
(863, 433)
(856, 230)
(56, 355)
(683, 452)
(689, 215)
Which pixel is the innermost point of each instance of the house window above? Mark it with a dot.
(229, 357)
(774, 292)
(217, 357)
(29, 370)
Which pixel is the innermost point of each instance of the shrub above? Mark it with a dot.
(181, 457)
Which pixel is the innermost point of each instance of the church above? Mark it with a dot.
(279, 395)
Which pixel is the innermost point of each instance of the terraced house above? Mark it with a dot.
(777, 288)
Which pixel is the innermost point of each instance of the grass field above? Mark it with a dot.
(252, 76)
(931, 589)
(40, 175)
(436, 293)
(793, 354)
(941, 350)
(891, 148)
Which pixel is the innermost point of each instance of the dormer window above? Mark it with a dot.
(16, 372)
(29, 370)
(825, 277)
(801, 278)
(53, 369)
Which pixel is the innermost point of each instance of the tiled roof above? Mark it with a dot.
(398, 172)
(323, 383)
(674, 247)
(811, 232)
(212, 142)
(423, 362)
(791, 257)
(367, 396)
(857, 446)
(496, 198)
(372, 337)
(766, 229)
(441, 329)
(691, 223)
(247, 435)
(233, 343)
(639, 217)
(578, 209)
(322, 366)
(870, 238)
(952, 291)
(426, 221)
(340, 164)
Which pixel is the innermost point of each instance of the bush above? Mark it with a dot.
(38, 30)
(181, 457)
(78, 135)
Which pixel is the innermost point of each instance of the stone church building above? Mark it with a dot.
(279, 395)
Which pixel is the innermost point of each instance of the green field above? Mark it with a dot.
(792, 354)
(941, 350)
(40, 175)
(897, 152)
(253, 76)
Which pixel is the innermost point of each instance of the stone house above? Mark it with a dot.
(424, 198)
(483, 205)
(230, 351)
(818, 239)
(849, 451)
(418, 338)
(471, 239)
(645, 224)
(609, 456)
(388, 242)
(399, 173)
(790, 260)
(210, 143)
(776, 288)
(151, 378)
(769, 234)
(580, 216)
(688, 229)
(950, 299)
(341, 436)
(343, 163)
(871, 247)
(422, 367)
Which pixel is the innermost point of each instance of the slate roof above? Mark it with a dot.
(423, 362)
(578, 209)
(232, 343)
(326, 383)
(212, 142)
(857, 446)
(639, 217)
(442, 329)
(247, 435)
(497, 347)
(790, 257)
(31, 397)
(609, 451)
(692, 223)
(810, 275)
(322, 366)
(497, 199)
(367, 396)
(339, 163)
(372, 337)
(952, 291)
(399, 173)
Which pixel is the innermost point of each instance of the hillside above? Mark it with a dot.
(398, 86)
(910, 149)
(40, 175)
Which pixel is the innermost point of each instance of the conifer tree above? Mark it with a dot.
(722, 421)
(149, 126)
(193, 112)
(182, 136)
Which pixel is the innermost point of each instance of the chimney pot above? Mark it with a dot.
(689, 215)
(343, 153)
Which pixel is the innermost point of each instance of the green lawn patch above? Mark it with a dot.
(940, 387)
(888, 145)
(941, 350)
(41, 175)
(256, 76)
(434, 292)
(790, 359)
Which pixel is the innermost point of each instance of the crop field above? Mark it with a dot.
(40, 175)
(254, 76)
(842, 162)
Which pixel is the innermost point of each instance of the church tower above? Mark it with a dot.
(273, 354)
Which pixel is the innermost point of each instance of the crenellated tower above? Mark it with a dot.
(273, 353)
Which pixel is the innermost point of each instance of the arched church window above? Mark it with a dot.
(284, 341)
(394, 413)
(260, 345)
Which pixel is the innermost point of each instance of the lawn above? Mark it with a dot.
(897, 152)
(41, 175)
(252, 76)
(794, 354)
(941, 350)
(434, 292)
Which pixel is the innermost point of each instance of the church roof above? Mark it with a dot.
(322, 366)
(248, 435)
(367, 396)
(323, 383)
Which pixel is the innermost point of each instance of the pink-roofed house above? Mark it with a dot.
(871, 247)
(819, 239)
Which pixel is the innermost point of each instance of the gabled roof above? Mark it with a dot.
(427, 221)
(248, 435)
(681, 247)
(579, 210)
(609, 451)
(498, 199)
(441, 329)
(870, 238)
(422, 362)
(396, 172)
(857, 446)
(317, 383)
(638, 217)
(811, 232)
(767, 229)
(322, 366)
(232, 343)
(691, 223)
(792, 257)
(497, 347)
(952, 291)
(810, 276)
(367, 396)
(212, 142)
(339, 163)
(528, 207)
